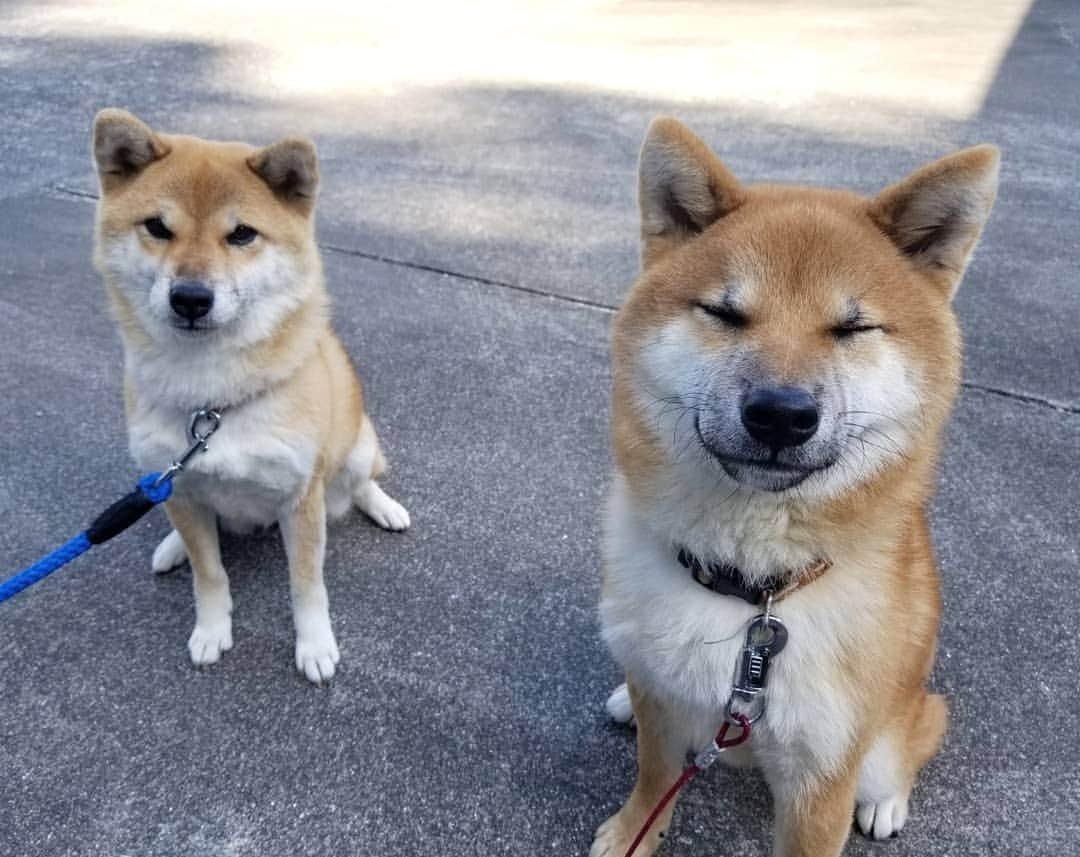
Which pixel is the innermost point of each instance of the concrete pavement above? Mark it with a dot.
(478, 224)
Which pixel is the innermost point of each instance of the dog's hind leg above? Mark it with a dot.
(169, 553)
(366, 463)
(618, 704)
(888, 770)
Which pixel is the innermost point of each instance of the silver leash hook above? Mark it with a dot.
(212, 420)
(768, 607)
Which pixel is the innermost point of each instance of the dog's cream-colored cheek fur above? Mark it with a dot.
(261, 292)
(141, 275)
(879, 412)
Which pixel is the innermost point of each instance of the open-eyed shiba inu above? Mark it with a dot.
(209, 259)
(783, 370)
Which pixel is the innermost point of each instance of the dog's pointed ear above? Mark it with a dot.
(683, 188)
(936, 214)
(291, 169)
(123, 145)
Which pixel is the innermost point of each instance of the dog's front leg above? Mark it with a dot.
(662, 748)
(304, 532)
(813, 814)
(198, 529)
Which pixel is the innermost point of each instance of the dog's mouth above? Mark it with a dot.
(766, 473)
(763, 473)
(190, 327)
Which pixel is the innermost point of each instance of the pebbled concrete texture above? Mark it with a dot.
(477, 229)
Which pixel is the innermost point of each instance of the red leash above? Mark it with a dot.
(701, 761)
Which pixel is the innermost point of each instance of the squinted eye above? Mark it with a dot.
(241, 235)
(726, 313)
(156, 227)
(850, 328)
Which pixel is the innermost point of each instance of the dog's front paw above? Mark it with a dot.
(884, 819)
(209, 641)
(614, 836)
(316, 655)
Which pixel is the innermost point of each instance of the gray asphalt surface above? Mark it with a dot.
(477, 234)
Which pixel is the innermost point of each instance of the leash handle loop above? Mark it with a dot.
(129, 508)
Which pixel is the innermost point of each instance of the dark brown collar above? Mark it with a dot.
(725, 579)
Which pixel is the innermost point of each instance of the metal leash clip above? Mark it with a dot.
(765, 638)
(203, 423)
(707, 757)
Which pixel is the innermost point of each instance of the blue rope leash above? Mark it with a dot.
(45, 566)
(151, 490)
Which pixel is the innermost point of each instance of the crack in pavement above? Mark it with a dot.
(1023, 398)
(474, 278)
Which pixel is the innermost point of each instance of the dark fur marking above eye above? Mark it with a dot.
(726, 313)
(157, 228)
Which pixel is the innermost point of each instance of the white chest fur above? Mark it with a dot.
(256, 465)
(681, 643)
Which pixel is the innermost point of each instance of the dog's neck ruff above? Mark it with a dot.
(726, 579)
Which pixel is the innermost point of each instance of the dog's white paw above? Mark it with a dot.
(209, 641)
(883, 819)
(614, 836)
(618, 704)
(383, 509)
(609, 839)
(317, 654)
(169, 554)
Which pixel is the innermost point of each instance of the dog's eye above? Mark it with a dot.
(726, 313)
(241, 235)
(156, 227)
(850, 328)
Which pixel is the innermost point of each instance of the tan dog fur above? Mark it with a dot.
(295, 441)
(849, 721)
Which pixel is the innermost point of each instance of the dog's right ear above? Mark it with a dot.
(683, 188)
(123, 145)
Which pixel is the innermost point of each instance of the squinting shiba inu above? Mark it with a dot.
(783, 370)
(209, 259)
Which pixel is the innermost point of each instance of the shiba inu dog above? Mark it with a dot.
(783, 369)
(210, 263)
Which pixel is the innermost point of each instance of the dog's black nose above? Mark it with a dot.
(190, 299)
(780, 416)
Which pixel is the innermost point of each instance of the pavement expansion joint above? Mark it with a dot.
(1022, 397)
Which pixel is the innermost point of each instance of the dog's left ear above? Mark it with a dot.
(936, 214)
(291, 169)
(683, 189)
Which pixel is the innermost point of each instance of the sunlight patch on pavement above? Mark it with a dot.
(930, 58)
